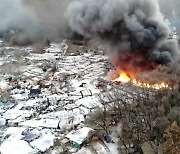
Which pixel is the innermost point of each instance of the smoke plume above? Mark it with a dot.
(34, 18)
(129, 26)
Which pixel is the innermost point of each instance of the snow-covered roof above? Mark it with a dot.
(88, 102)
(16, 146)
(48, 123)
(44, 142)
(79, 136)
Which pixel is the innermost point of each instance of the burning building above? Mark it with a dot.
(134, 31)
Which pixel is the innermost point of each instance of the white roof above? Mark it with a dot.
(48, 123)
(44, 142)
(16, 146)
(88, 102)
(80, 135)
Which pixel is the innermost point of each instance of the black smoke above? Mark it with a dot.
(126, 25)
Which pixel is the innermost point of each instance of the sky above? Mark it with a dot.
(167, 6)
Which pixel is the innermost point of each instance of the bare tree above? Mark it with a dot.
(172, 143)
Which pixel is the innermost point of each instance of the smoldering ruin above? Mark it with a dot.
(135, 33)
(127, 26)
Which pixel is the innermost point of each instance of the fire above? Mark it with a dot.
(161, 85)
(125, 78)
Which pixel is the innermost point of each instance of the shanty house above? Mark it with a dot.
(80, 137)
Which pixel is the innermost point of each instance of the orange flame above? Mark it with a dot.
(124, 78)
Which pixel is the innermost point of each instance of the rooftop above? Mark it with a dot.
(79, 136)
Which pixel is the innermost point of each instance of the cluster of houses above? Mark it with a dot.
(41, 105)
